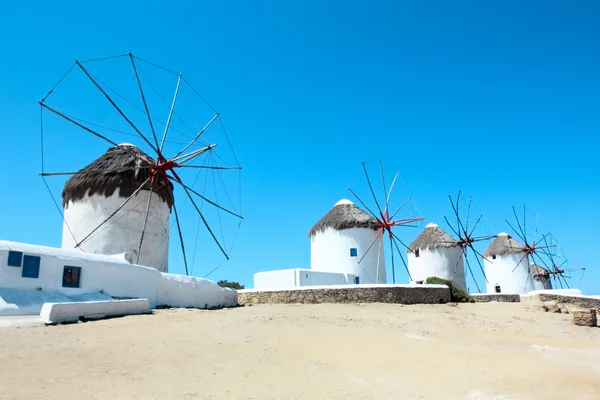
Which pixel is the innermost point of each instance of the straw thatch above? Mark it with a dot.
(118, 168)
(539, 272)
(432, 237)
(345, 215)
(503, 244)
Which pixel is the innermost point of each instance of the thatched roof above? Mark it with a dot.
(118, 168)
(503, 244)
(345, 215)
(432, 237)
(539, 272)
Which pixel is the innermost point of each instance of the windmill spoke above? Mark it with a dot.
(181, 239)
(393, 240)
(387, 199)
(116, 107)
(379, 257)
(145, 223)
(177, 179)
(114, 212)
(471, 271)
(198, 135)
(475, 226)
(364, 205)
(371, 189)
(479, 262)
(137, 78)
(481, 238)
(162, 143)
(383, 184)
(399, 208)
(393, 264)
(210, 167)
(468, 212)
(379, 233)
(403, 244)
(95, 171)
(524, 222)
(514, 230)
(522, 236)
(192, 154)
(85, 128)
(459, 225)
(519, 263)
(451, 227)
(207, 200)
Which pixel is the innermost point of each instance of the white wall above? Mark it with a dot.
(291, 278)
(445, 263)
(542, 284)
(500, 271)
(330, 252)
(121, 234)
(111, 274)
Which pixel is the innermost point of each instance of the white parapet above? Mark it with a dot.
(53, 313)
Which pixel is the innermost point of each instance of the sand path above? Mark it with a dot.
(325, 351)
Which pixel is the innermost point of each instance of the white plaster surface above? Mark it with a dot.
(68, 312)
(122, 233)
(499, 271)
(343, 287)
(330, 252)
(445, 263)
(102, 277)
(291, 278)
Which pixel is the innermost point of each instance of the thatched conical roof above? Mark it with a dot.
(503, 244)
(345, 215)
(118, 168)
(539, 272)
(432, 237)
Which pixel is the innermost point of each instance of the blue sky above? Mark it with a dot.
(497, 99)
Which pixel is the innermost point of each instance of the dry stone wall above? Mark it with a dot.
(355, 294)
(500, 297)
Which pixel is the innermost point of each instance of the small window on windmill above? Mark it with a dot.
(417, 253)
(71, 277)
(493, 256)
(15, 258)
(353, 252)
(31, 267)
(498, 290)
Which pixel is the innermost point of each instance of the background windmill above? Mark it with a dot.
(465, 230)
(178, 140)
(387, 218)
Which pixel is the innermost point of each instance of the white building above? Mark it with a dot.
(92, 195)
(541, 277)
(345, 236)
(507, 266)
(33, 275)
(435, 253)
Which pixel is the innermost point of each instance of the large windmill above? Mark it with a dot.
(387, 219)
(467, 234)
(100, 104)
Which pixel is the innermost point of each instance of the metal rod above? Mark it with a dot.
(371, 189)
(364, 205)
(387, 199)
(198, 135)
(78, 124)
(162, 144)
(181, 239)
(383, 184)
(379, 232)
(399, 208)
(208, 200)
(137, 77)
(114, 212)
(115, 106)
(471, 271)
(401, 258)
(193, 154)
(145, 223)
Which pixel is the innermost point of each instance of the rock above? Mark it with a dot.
(551, 306)
(585, 318)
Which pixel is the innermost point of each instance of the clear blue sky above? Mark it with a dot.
(499, 99)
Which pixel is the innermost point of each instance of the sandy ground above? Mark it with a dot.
(328, 351)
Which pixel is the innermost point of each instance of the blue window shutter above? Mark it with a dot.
(15, 258)
(356, 280)
(353, 252)
(31, 267)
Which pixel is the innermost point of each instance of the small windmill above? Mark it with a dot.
(386, 219)
(466, 236)
(558, 264)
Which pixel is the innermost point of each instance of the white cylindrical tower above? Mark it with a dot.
(342, 237)
(541, 277)
(93, 194)
(507, 267)
(435, 253)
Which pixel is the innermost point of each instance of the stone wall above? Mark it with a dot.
(583, 302)
(422, 294)
(500, 297)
